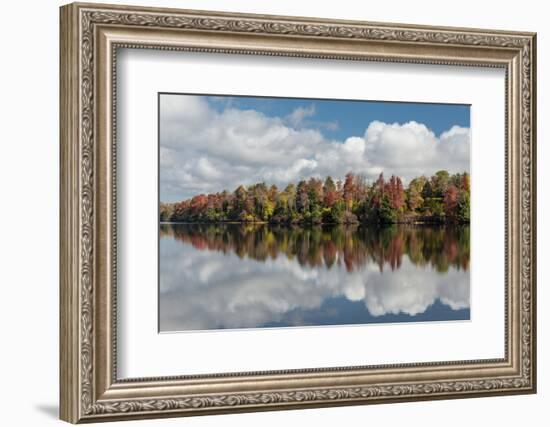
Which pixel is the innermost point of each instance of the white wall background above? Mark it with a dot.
(29, 170)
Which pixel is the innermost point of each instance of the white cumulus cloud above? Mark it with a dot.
(204, 149)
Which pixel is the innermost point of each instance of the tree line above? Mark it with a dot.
(440, 198)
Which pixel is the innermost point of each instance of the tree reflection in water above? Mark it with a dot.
(441, 247)
(227, 276)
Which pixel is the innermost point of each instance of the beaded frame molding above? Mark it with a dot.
(90, 37)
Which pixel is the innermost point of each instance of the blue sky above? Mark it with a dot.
(351, 115)
(215, 143)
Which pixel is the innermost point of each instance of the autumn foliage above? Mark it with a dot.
(437, 199)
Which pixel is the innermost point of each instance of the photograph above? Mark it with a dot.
(291, 212)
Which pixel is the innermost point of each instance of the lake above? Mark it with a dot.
(229, 276)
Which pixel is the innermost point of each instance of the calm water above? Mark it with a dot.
(229, 276)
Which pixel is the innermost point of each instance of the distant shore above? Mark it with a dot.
(404, 221)
(441, 198)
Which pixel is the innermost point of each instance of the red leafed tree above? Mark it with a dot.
(198, 203)
(330, 192)
(180, 208)
(330, 198)
(395, 191)
(451, 201)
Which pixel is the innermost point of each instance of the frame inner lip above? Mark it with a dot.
(466, 364)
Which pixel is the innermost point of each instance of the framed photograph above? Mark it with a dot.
(266, 212)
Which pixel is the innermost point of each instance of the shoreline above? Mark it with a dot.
(320, 224)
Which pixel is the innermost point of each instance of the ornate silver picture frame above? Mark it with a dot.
(91, 36)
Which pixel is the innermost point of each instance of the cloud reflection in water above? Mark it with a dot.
(235, 276)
